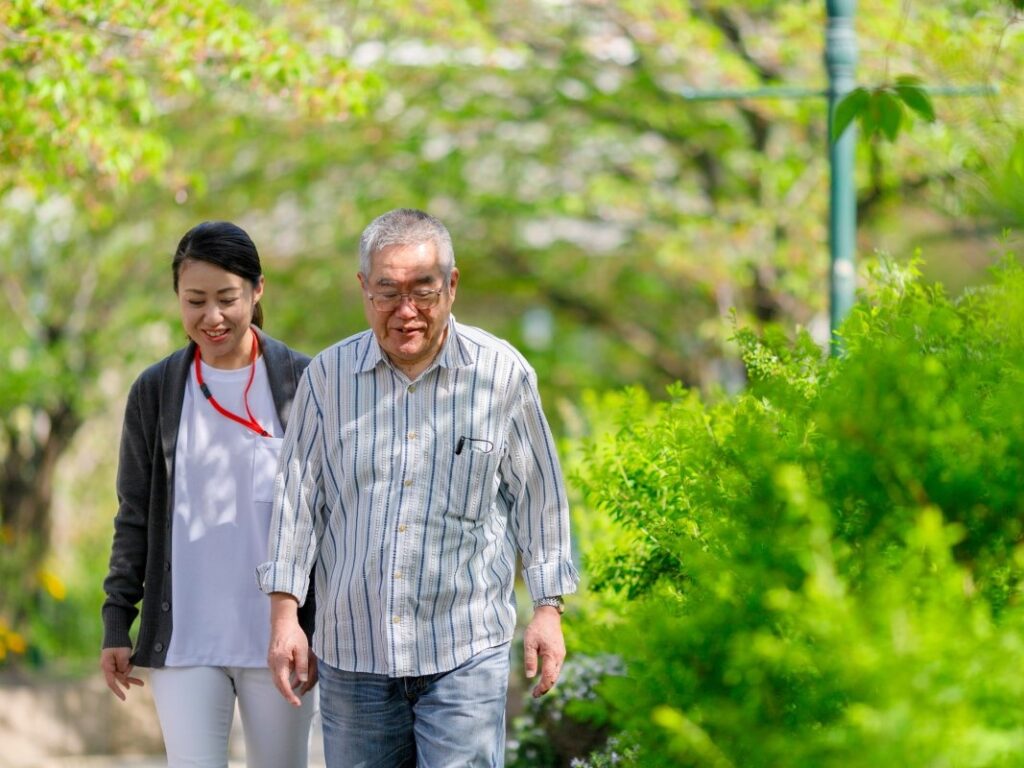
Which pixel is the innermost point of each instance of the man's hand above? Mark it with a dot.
(312, 673)
(117, 670)
(292, 664)
(543, 639)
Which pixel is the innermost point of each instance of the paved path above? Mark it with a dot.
(316, 755)
(125, 762)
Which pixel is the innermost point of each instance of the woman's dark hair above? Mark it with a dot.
(224, 245)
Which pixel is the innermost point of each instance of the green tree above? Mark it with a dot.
(609, 224)
(91, 90)
(604, 223)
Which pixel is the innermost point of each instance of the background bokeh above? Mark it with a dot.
(617, 232)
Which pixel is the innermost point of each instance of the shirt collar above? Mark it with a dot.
(455, 353)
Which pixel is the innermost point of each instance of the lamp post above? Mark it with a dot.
(841, 64)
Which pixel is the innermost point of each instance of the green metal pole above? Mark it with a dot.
(841, 63)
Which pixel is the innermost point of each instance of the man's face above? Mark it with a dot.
(411, 336)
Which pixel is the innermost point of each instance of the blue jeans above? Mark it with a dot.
(450, 719)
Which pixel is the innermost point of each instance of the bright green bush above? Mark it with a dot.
(52, 622)
(826, 569)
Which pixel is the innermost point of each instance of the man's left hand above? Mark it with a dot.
(543, 641)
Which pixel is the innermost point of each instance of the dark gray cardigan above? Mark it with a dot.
(140, 559)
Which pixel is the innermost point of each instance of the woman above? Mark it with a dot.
(195, 482)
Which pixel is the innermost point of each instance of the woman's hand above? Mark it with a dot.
(117, 670)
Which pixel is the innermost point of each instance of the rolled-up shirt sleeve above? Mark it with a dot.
(535, 492)
(296, 519)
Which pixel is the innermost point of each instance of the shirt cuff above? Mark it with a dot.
(277, 576)
(551, 579)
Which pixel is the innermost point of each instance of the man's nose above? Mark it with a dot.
(406, 307)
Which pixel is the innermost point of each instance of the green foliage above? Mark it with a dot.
(86, 83)
(63, 632)
(565, 724)
(880, 110)
(827, 568)
(49, 610)
(93, 93)
(1002, 194)
(604, 223)
(617, 753)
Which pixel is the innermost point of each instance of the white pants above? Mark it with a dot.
(196, 706)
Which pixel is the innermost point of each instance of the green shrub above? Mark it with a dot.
(564, 726)
(52, 621)
(826, 569)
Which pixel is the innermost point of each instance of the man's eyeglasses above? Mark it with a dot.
(389, 301)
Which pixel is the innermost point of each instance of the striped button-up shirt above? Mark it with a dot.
(412, 498)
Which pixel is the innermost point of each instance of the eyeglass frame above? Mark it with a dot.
(411, 296)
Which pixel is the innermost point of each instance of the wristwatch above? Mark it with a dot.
(555, 602)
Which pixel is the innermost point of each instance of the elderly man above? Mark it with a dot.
(416, 465)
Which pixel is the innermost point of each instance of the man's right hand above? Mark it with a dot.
(117, 670)
(292, 665)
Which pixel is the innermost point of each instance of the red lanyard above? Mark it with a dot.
(249, 423)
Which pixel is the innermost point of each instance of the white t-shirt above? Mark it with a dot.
(223, 489)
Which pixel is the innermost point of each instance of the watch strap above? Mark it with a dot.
(555, 602)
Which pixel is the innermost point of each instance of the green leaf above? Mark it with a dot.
(886, 112)
(906, 79)
(911, 93)
(851, 106)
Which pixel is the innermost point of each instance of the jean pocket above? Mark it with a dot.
(265, 453)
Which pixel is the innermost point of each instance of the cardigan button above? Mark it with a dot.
(165, 606)
(158, 647)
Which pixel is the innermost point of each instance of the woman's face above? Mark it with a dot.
(216, 311)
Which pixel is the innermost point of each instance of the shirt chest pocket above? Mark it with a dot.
(474, 481)
(265, 453)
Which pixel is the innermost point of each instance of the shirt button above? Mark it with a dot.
(408, 482)
(412, 435)
(397, 619)
(398, 574)
(401, 528)
(412, 387)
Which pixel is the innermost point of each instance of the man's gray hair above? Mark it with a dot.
(406, 226)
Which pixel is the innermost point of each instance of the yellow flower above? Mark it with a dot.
(15, 642)
(52, 584)
(10, 640)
